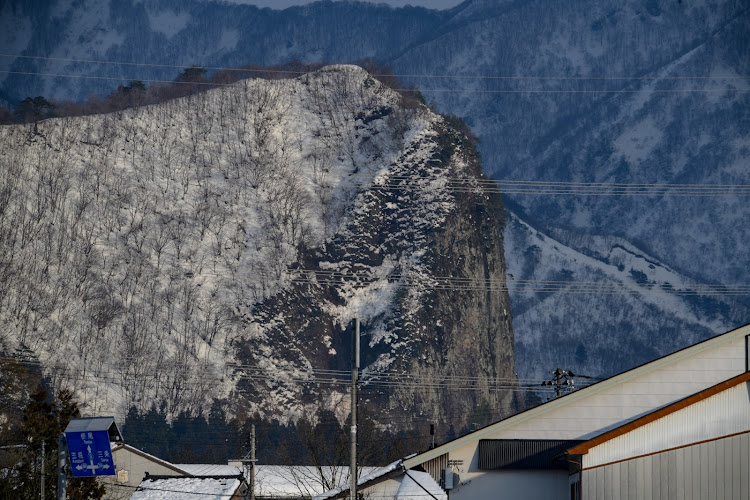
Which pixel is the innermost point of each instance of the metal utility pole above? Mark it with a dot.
(62, 457)
(355, 373)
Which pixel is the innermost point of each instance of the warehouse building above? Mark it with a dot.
(696, 448)
(596, 442)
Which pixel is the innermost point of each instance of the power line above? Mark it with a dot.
(507, 186)
(329, 277)
(445, 90)
(396, 75)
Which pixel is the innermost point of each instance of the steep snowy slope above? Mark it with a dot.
(637, 307)
(219, 245)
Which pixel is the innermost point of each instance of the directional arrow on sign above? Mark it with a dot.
(92, 467)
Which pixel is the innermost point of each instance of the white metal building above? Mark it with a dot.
(582, 416)
(696, 448)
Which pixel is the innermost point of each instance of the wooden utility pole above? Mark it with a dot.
(558, 381)
(252, 462)
(355, 373)
(43, 460)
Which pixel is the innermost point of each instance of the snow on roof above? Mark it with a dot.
(414, 485)
(153, 458)
(179, 488)
(291, 481)
(366, 477)
(210, 469)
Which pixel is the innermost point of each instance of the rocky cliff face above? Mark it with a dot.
(217, 246)
(420, 261)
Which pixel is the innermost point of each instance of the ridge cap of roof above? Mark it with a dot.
(156, 459)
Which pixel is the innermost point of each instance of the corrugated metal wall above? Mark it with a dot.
(524, 453)
(715, 470)
(434, 466)
(722, 414)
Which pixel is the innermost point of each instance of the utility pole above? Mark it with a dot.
(355, 373)
(558, 373)
(43, 474)
(563, 377)
(62, 457)
(251, 460)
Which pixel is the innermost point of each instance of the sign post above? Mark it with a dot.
(89, 449)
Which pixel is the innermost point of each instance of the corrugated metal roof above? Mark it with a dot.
(523, 453)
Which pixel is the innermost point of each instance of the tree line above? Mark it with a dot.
(191, 80)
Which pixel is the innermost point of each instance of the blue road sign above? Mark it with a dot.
(90, 453)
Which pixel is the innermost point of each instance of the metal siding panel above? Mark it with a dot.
(671, 459)
(713, 478)
(623, 468)
(632, 479)
(599, 490)
(722, 414)
(663, 476)
(679, 473)
(736, 468)
(704, 470)
(601, 483)
(614, 487)
(640, 476)
(608, 482)
(647, 479)
(655, 477)
(745, 466)
(586, 485)
(720, 446)
(695, 454)
(687, 467)
(728, 468)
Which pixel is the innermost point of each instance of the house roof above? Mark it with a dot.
(491, 430)
(376, 474)
(178, 488)
(584, 447)
(419, 485)
(209, 469)
(151, 458)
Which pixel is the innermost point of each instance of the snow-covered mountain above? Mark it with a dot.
(588, 91)
(560, 292)
(218, 246)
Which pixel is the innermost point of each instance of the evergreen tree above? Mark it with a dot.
(44, 419)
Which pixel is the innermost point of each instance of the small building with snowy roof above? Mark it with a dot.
(392, 482)
(131, 466)
(298, 482)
